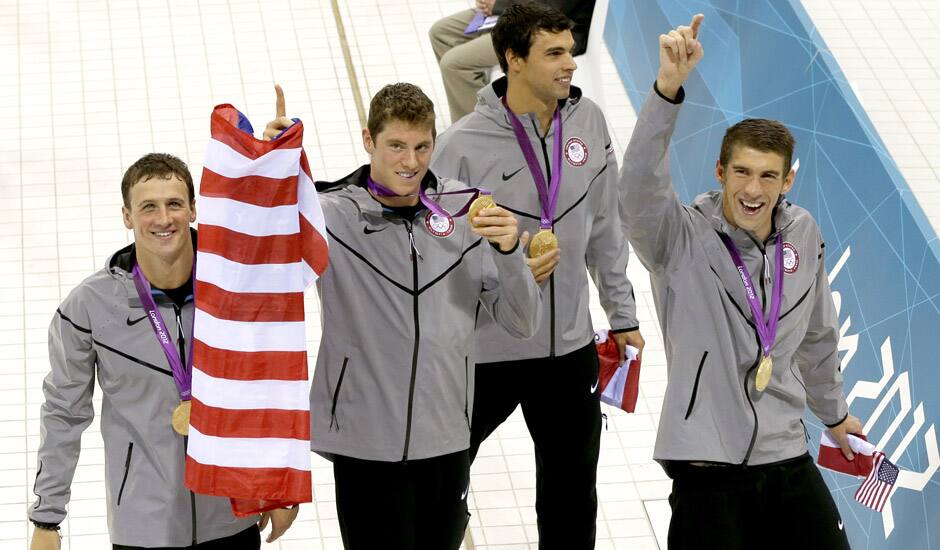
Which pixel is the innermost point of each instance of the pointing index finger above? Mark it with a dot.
(696, 23)
(281, 109)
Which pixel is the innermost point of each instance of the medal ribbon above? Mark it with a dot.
(380, 190)
(182, 375)
(548, 191)
(766, 329)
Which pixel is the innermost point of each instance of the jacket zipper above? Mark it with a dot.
(181, 344)
(766, 276)
(127, 468)
(414, 357)
(192, 500)
(551, 278)
(339, 383)
(750, 446)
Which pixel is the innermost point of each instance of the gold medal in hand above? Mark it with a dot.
(480, 203)
(764, 370)
(543, 241)
(180, 419)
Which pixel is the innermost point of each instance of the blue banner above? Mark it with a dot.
(764, 58)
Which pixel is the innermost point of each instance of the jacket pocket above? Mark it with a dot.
(339, 384)
(466, 389)
(127, 468)
(698, 377)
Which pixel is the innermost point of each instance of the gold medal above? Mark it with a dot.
(479, 203)
(764, 370)
(180, 419)
(543, 241)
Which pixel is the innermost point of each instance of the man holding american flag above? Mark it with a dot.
(391, 399)
(130, 326)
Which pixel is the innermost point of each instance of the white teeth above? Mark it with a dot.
(406, 174)
(752, 205)
(164, 234)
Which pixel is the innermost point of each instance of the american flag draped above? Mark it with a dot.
(877, 487)
(261, 243)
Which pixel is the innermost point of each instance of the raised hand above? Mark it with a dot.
(45, 539)
(679, 53)
(281, 122)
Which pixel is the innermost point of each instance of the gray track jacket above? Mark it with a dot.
(101, 331)
(711, 411)
(394, 374)
(481, 149)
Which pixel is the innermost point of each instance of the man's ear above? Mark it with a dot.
(367, 143)
(126, 215)
(720, 172)
(192, 214)
(514, 61)
(788, 181)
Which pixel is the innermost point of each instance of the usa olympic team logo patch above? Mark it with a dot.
(576, 152)
(791, 260)
(439, 226)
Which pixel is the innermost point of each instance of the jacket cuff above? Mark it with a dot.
(508, 252)
(680, 95)
(623, 330)
(839, 422)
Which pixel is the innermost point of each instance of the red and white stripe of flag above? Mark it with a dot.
(261, 243)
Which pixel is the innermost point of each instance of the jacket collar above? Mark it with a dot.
(490, 105)
(355, 184)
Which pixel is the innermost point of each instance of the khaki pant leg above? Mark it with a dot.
(447, 32)
(465, 61)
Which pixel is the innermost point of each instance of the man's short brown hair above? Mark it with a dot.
(765, 135)
(156, 165)
(518, 25)
(404, 102)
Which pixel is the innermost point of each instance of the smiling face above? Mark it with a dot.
(752, 182)
(546, 72)
(159, 213)
(400, 155)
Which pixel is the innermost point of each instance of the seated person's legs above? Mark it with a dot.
(447, 32)
(465, 69)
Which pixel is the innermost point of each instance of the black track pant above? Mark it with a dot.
(785, 505)
(414, 505)
(249, 539)
(561, 406)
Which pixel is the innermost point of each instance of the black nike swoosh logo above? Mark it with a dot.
(509, 177)
(135, 321)
(369, 231)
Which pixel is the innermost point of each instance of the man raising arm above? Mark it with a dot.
(749, 325)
